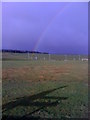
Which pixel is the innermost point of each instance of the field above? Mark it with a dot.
(44, 89)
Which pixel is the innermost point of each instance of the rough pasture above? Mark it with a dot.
(45, 89)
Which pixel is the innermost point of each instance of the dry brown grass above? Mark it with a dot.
(37, 73)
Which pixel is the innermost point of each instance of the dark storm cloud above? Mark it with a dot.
(51, 27)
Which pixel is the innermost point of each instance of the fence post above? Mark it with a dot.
(49, 57)
(28, 55)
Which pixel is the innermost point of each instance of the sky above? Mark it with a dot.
(60, 28)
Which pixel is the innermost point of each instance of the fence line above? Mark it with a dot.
(29, 56)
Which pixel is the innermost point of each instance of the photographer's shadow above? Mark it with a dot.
(40, 101)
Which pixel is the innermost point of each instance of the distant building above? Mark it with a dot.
(84, 59)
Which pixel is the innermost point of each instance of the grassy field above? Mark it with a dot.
(45, 89)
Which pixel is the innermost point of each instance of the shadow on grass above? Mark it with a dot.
(33, 101)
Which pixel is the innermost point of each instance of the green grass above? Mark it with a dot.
(45, 89)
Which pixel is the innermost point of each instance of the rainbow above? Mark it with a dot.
(59, 12)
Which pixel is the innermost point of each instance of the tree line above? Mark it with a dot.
(22, 51)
